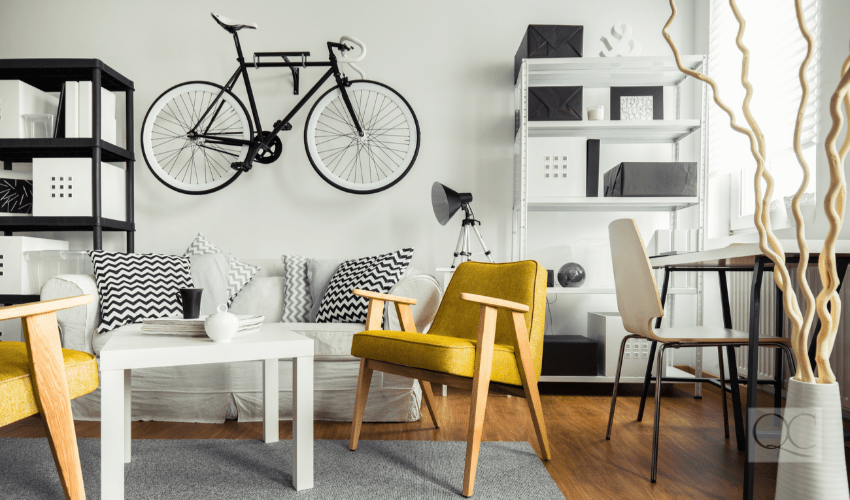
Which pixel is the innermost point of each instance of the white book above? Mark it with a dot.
(72, 109)
(84, 118)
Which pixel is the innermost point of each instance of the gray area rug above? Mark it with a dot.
(247, 469)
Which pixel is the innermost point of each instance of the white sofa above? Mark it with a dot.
(215, 392)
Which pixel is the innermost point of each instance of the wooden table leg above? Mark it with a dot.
(302, 422)
(113, 400)
(271, 407)
(752, 373)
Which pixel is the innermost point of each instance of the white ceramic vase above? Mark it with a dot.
(826, 478)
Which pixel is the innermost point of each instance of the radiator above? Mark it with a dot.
(739, 300)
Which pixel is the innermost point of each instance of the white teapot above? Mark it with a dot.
(221, 326)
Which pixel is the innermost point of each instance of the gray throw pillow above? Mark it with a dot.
(210, 271)
(319, 274)
(297, 302)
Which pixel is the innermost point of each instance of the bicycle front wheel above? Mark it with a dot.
(371, 163)
(193, 165)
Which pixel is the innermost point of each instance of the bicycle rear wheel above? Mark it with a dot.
(195, 165)
(368, 164)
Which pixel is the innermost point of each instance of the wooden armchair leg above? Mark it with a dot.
(364, 379)
(480, 388)
(428, 396)
(532, 396)
(50, 385)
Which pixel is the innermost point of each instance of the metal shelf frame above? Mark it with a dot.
(601, 73)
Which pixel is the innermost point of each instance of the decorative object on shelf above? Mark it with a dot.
(62, 187)
(190, 301)
(550, 278)
(592, 168)
(240, 273)
(623, 43)
(221, 326)
(38, 125)
(559, 169)
(816, 478)
(18, 99)
(14, 267)
(596, 113)
(554, 103)
(652, 179)
(637, 103)
(446, 202)
(571, 275)
(546, 40)
(569, 355)
(134, 286)
(373, 274)
(15, 196)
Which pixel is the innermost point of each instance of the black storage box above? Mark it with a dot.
(554, 103)
(569, 355)
(652, 179)
(547, 40)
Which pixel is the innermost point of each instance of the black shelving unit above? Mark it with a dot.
(49, 75)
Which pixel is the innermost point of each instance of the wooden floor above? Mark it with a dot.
(695, 460)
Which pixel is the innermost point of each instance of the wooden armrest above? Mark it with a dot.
(498, 303)
(45, 306)
(383, 296)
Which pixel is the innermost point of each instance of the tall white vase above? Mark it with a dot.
(827, 478)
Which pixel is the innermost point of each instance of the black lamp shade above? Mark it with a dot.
(447, 202)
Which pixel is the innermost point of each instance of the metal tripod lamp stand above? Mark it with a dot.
(446, 203)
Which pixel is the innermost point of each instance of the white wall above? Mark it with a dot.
(452, 60)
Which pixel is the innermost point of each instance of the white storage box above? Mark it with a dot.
(14, 274)
(594, 255)
(558, 167)
(62, 187)
(608, 332)
(18, 98)
(107, 113)
(45, 264)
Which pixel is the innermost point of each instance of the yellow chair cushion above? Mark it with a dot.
(452, 355)
(17, 400)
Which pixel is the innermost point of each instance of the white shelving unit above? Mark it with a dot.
(600, 73)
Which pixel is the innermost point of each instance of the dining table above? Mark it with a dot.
(746, 257)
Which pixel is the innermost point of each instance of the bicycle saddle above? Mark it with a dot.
(231, 25)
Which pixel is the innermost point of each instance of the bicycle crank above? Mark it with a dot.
(272, 152)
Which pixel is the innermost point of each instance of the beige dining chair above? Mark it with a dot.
(639, 304)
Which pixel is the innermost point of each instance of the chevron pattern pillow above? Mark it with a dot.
(296, 290)
(240, 273)
(375, 274)
(135, 286)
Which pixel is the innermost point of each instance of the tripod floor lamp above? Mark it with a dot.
(446, 203)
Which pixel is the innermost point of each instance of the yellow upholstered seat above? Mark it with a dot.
(487, 335)
(17, 400)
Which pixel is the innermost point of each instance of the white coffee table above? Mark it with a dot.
(130, 349)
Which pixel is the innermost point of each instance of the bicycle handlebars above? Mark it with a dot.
(351, 60)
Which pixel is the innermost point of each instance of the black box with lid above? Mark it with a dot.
(647, 179)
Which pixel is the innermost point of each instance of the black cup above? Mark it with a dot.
(190, 300)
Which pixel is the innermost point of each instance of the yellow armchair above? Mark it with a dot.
(37, 375)
(477, 342)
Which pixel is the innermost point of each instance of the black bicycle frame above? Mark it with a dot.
(242, 70)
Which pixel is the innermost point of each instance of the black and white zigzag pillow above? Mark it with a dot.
(375, 274)
(135, 286)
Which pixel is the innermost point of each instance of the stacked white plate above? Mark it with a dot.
(248, 324)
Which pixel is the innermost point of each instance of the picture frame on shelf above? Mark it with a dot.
(632, 103)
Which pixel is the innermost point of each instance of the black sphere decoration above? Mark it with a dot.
(571, 275)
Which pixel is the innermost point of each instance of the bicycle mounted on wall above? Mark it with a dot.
(360, 136)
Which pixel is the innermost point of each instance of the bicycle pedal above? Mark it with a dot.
(242, 166)
(286, 126)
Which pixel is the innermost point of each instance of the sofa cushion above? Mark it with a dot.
(240, 273)
(297, 302)
(320, 272)
(134, 286)
(261, 296)
(375, 274)
(210, 272)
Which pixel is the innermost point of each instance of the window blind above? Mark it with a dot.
(777, 49)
